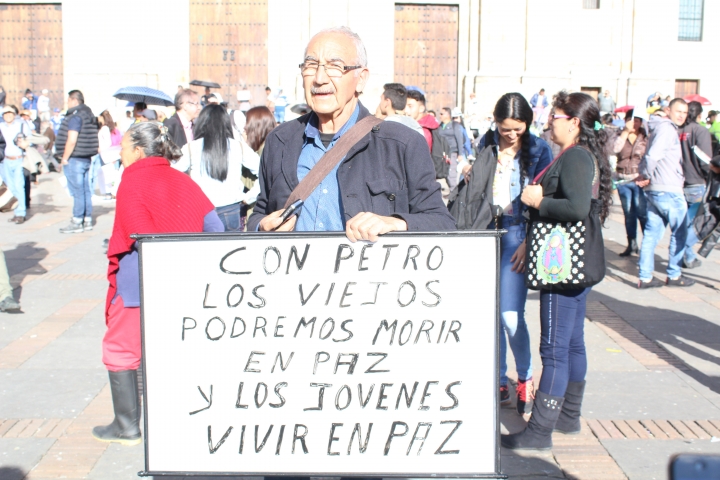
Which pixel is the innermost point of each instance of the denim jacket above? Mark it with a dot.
(541, 156)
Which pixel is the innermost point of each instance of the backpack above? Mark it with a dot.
(440, 155)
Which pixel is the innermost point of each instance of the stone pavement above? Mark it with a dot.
(653, 386)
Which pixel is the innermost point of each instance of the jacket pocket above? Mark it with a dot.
(387, 196)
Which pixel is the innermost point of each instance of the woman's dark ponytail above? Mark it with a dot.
(593, 137)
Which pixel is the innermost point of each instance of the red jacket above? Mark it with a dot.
(429, 123)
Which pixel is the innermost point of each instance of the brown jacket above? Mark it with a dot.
(630, 154)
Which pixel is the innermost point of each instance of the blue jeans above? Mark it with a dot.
(95, 165)
(562, 339)
(15, 180)
(693, 196)
(634, 205)
(513, 294)
(77, 172)
(231, 217)
(664, 208)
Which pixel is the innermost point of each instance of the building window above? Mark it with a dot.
(591, 4)
(684, 88)
(690, 20)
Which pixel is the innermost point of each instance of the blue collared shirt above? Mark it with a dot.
(322, 210)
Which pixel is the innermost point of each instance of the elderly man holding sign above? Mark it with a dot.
(341, 168)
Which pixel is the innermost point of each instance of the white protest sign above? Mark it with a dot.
(308, 354)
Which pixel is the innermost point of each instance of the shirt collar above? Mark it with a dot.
(185, 123)
(311, 129)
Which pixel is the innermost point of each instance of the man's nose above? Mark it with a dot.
(321, 76)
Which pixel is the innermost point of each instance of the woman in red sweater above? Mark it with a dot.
(152, 198)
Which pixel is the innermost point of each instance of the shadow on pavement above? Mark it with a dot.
(688, 333)
(12, 473)
(22, 261)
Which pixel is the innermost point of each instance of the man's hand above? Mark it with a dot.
(532, 195)
(273, 221)
(714, 168)
(368, 226)
(467, 171)
(641, 181)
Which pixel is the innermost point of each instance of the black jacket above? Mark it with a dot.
(388, 172)
(694, 169)
(176, 130)
(87, 142)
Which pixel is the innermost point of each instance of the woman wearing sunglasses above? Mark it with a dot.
(565, 193)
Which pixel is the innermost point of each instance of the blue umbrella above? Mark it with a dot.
(146, 95)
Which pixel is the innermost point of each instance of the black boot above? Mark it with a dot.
(125, 429)
(569, 419)
(709, 243)
(631, 248)
(538, 434)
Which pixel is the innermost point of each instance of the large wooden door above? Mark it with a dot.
(228, 45)
(426, 51)
(685, 87)
(31, 51)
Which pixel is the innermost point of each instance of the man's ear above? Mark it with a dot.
(362, 82)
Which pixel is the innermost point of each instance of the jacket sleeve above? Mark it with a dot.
(575, 188)
(655, 152)
(704, 142)
(265, 182)
(459, 138)
(427, 212)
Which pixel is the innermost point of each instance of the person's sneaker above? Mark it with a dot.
(12, 220)
(504, 395)
(694, 263)
(525, 396)
(654, 283)
(19, 220)
(73, 227)
(87, 224)
(9, 304)
(681, 281)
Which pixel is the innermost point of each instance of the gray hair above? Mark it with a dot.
(183, 96)
(153, 138)
(359, 46)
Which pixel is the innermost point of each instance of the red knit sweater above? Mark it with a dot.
(153, 198)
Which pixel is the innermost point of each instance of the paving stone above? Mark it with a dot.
(19, 455)
(634, 455)
(638, 395)
(56, 393)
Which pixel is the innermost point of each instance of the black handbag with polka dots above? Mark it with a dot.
(565, 255)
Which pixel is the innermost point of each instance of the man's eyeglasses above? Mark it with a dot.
(192, 103)
(331, 69)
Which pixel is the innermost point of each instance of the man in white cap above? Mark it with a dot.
(43, 103)
(12, 168)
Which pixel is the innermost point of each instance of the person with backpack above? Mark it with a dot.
(439, 148)
(509, 158)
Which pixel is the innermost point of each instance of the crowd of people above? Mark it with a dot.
(543, 170)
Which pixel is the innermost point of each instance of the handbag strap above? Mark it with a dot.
(330, 159)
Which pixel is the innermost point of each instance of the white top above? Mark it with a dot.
(231, 190)
(501, 187)
(104, 138)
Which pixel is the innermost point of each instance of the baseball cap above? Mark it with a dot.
(456, 112)
(25, 112)
(8, 109)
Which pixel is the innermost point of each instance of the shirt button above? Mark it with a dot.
(320, 225)
(324, 190)
(512, 184)
(391, 197)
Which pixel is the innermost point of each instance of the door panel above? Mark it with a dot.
(31, 51)
(228, 45)
(685, 87)
(426, 51)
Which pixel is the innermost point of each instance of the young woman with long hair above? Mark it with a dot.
(508, 159)
(152, 198)
(630, 148)
(565, 193)
(258, 125)
(214, 159)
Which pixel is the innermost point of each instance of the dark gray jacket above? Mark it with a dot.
(388, 172)
(454, 136)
